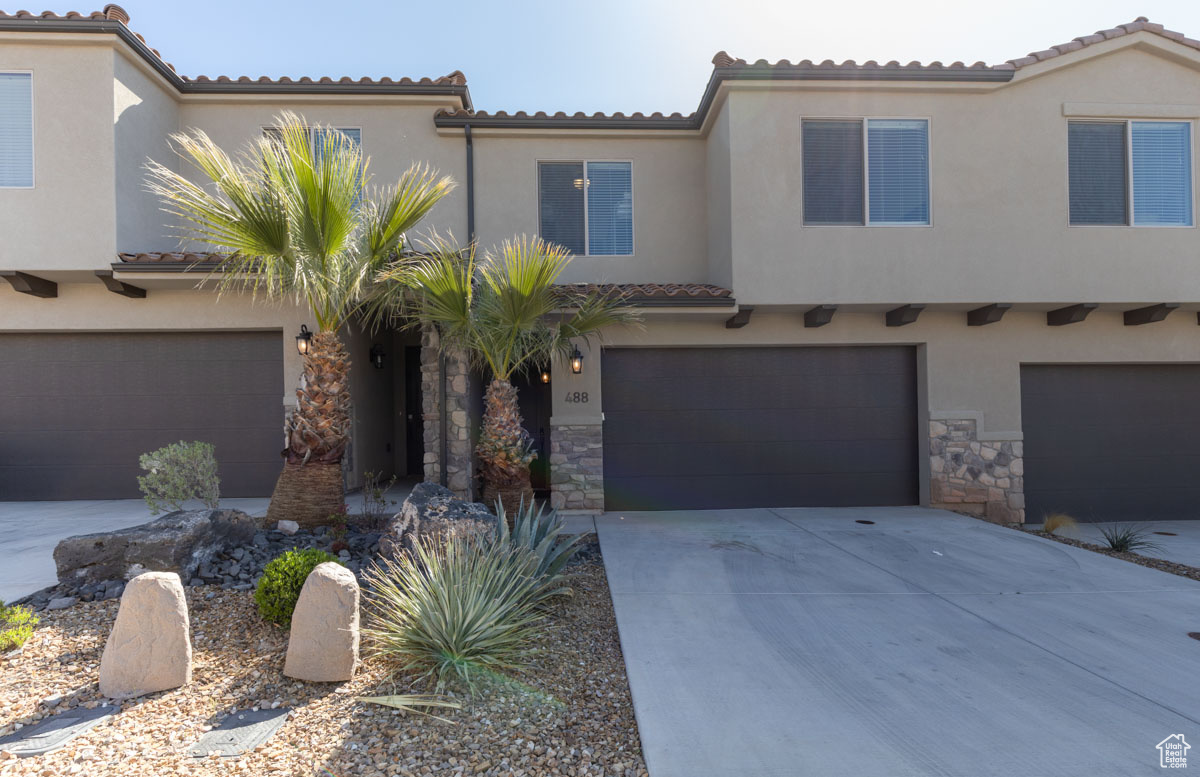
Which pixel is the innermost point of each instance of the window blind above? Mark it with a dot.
(898, 171)
(832, 155)
(610, 208)
(560, 189)
(1096, 172)
(1162, 173)
(16, 129)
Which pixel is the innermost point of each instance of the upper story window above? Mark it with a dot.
(316, 138)
(16, 130)
(1130, 172)
(866, 172)
(587, 207)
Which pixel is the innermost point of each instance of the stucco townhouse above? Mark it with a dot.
(973, 286)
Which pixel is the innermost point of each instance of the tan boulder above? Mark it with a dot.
(323, 646)
(150, 646)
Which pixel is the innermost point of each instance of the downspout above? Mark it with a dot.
(470, 183)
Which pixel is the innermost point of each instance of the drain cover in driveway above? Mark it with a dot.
(241, 732)
(53, 732)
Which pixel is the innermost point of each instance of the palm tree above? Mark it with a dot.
(299, 222)
(509, 316)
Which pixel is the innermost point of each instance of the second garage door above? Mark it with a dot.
(1110, 442)
(77, 410)
(698, 428)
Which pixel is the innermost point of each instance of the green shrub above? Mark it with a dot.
(1128, 538)
(179, 472)
(279, 587)
(458, 608)
(538, 531)
(16, 626)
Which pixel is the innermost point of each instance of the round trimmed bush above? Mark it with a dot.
(279, 587)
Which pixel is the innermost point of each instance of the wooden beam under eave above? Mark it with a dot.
(30, 284)
(739, 319)
(1072, 314)
(1149, 314)
(903, 315)
(819, 316)
(988, 314)
(120, 287)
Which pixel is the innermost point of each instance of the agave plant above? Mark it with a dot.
(1128, 538)
(510, 316)
(299, 221)
(538, 531)
(459, 608)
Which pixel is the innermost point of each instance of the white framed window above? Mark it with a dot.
(865, 172)
(587, 206)
(1127, 172)
(16, 130)
(354, 133)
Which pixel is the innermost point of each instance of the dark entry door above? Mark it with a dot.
(1111, 442)
(78, 410)
(414, 423)
(697, 428)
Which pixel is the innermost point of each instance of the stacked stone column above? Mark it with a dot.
(981, 477)
(458, 430)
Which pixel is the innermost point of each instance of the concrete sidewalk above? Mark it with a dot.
(802, 642)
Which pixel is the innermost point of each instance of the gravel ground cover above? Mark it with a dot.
(1183, 570)
(569, 714)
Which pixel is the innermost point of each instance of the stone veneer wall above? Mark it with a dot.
(984, 478)
(458, 430)
(577, 467)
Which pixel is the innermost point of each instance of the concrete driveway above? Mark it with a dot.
(800, 642)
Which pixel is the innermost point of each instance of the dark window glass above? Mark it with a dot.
(833, 171)
(560, 189)
(1096, 163)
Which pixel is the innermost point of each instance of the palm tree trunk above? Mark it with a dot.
(310, 487)
(505, 449)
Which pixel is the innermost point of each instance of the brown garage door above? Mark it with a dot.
(1111, 442)
(696, 428)
(77, 410)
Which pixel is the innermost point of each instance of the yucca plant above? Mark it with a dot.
(456, 609)
(299, 221)
(1128, 538)
(538, 531)
(510, 316)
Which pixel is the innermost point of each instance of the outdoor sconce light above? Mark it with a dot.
(545, 376)
(377, 354)
(577, 361)
(303, 340)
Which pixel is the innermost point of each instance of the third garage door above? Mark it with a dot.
(697, 428)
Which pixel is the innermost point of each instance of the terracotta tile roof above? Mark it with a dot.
(171, 257)
(102, 21)
(446, 118)
(684, 293)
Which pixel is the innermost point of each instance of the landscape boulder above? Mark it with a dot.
(150, 646)
(179, 542)
(323, 645)
(432, 510)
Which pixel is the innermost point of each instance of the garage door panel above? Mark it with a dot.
(734, 425)
(1112, 442)
(751, 458)
(744, 427)
(80, 409)
(715, 493)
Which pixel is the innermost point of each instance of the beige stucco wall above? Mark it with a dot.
(66, 221)
(999, 194)
(720, 201)
(669, 234)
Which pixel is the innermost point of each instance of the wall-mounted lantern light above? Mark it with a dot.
(577, 361)
(303, 340)
(377, 354)
(545, 375)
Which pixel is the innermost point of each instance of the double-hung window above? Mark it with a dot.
(865, 171)
(316, 138)
(587, 207)
(1130, 172)
(16, 130)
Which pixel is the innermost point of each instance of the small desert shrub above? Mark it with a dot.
(179, 472)
(1128, 538)
(1056, 522)
(376, 506)
(538, 531)
(459, 608)
(16, 626)
(279, 587)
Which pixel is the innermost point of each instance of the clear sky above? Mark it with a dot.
(611, 55)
